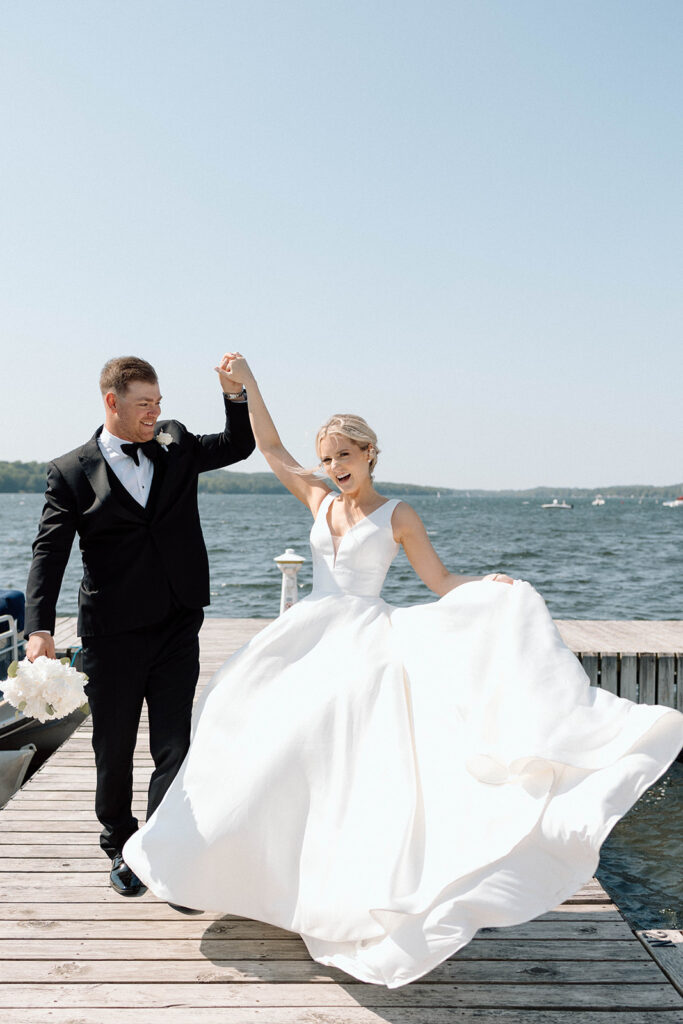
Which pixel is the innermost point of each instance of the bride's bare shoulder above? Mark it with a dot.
(404, 511)
(404, 519)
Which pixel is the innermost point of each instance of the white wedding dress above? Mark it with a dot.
(385, 781)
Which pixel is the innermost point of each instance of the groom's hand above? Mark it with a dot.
(40, 644)
(230, 385)
(234, 373)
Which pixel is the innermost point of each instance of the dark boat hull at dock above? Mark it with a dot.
(16, 730)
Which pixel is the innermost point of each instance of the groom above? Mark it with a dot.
(130, 493)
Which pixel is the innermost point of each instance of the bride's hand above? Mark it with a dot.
(498, 577)
(234, 372)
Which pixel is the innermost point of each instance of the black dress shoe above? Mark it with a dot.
(184, 910)
(123, 880)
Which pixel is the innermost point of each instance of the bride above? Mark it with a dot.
(386, 781)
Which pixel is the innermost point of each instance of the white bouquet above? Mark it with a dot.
(45, 689)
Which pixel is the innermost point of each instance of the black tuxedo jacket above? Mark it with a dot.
(137, 562)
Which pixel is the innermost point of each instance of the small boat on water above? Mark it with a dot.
(676, 503)
(598, 500)
(557, 504)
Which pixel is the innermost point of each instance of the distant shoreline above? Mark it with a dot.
(29, 478)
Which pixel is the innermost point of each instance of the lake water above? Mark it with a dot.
(640, 862)
(623, 560)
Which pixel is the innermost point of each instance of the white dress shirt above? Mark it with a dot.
(136, 479)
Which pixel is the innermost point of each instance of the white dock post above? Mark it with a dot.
(289, 564)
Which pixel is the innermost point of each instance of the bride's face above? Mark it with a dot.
(344, 462)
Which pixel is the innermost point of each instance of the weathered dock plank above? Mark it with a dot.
(226, 994)
(155, 910)
(239, 928)
(456, 971)
(613, 636)
(344, 1015)
(666, 948)
(293, 948)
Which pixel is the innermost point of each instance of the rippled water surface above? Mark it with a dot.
(623, 560)
(640, 864)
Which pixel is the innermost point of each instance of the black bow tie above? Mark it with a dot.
(149, 448)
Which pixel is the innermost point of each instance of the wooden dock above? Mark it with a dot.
(74, 952)
(639, 660)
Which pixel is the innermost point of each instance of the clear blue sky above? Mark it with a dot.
(462, 220)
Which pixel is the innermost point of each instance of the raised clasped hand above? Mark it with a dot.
(234, 372)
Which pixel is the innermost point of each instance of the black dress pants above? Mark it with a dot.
(158, 664)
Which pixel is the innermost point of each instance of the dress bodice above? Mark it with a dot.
(363, 555)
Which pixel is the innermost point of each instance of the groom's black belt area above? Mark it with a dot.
(151, 449)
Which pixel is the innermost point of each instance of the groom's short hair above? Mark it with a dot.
(118, 373)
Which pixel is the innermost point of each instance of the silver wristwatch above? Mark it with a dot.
(238, 397)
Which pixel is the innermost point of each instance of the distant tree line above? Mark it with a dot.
(22, 477)
(29, 477)
(222, 481)
(616, 491)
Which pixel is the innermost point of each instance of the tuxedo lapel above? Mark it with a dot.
(104, 482)
(163, 481)
(157, 488)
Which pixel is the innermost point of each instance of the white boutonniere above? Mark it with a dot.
(164, 439)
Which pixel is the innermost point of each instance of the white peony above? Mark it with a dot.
(164, 439)
(45, 689)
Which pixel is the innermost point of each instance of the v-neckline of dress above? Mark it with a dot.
(337, 549)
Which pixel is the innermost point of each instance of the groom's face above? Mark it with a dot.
(134, 413)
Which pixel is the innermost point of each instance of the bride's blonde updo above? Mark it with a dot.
(355, 429)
